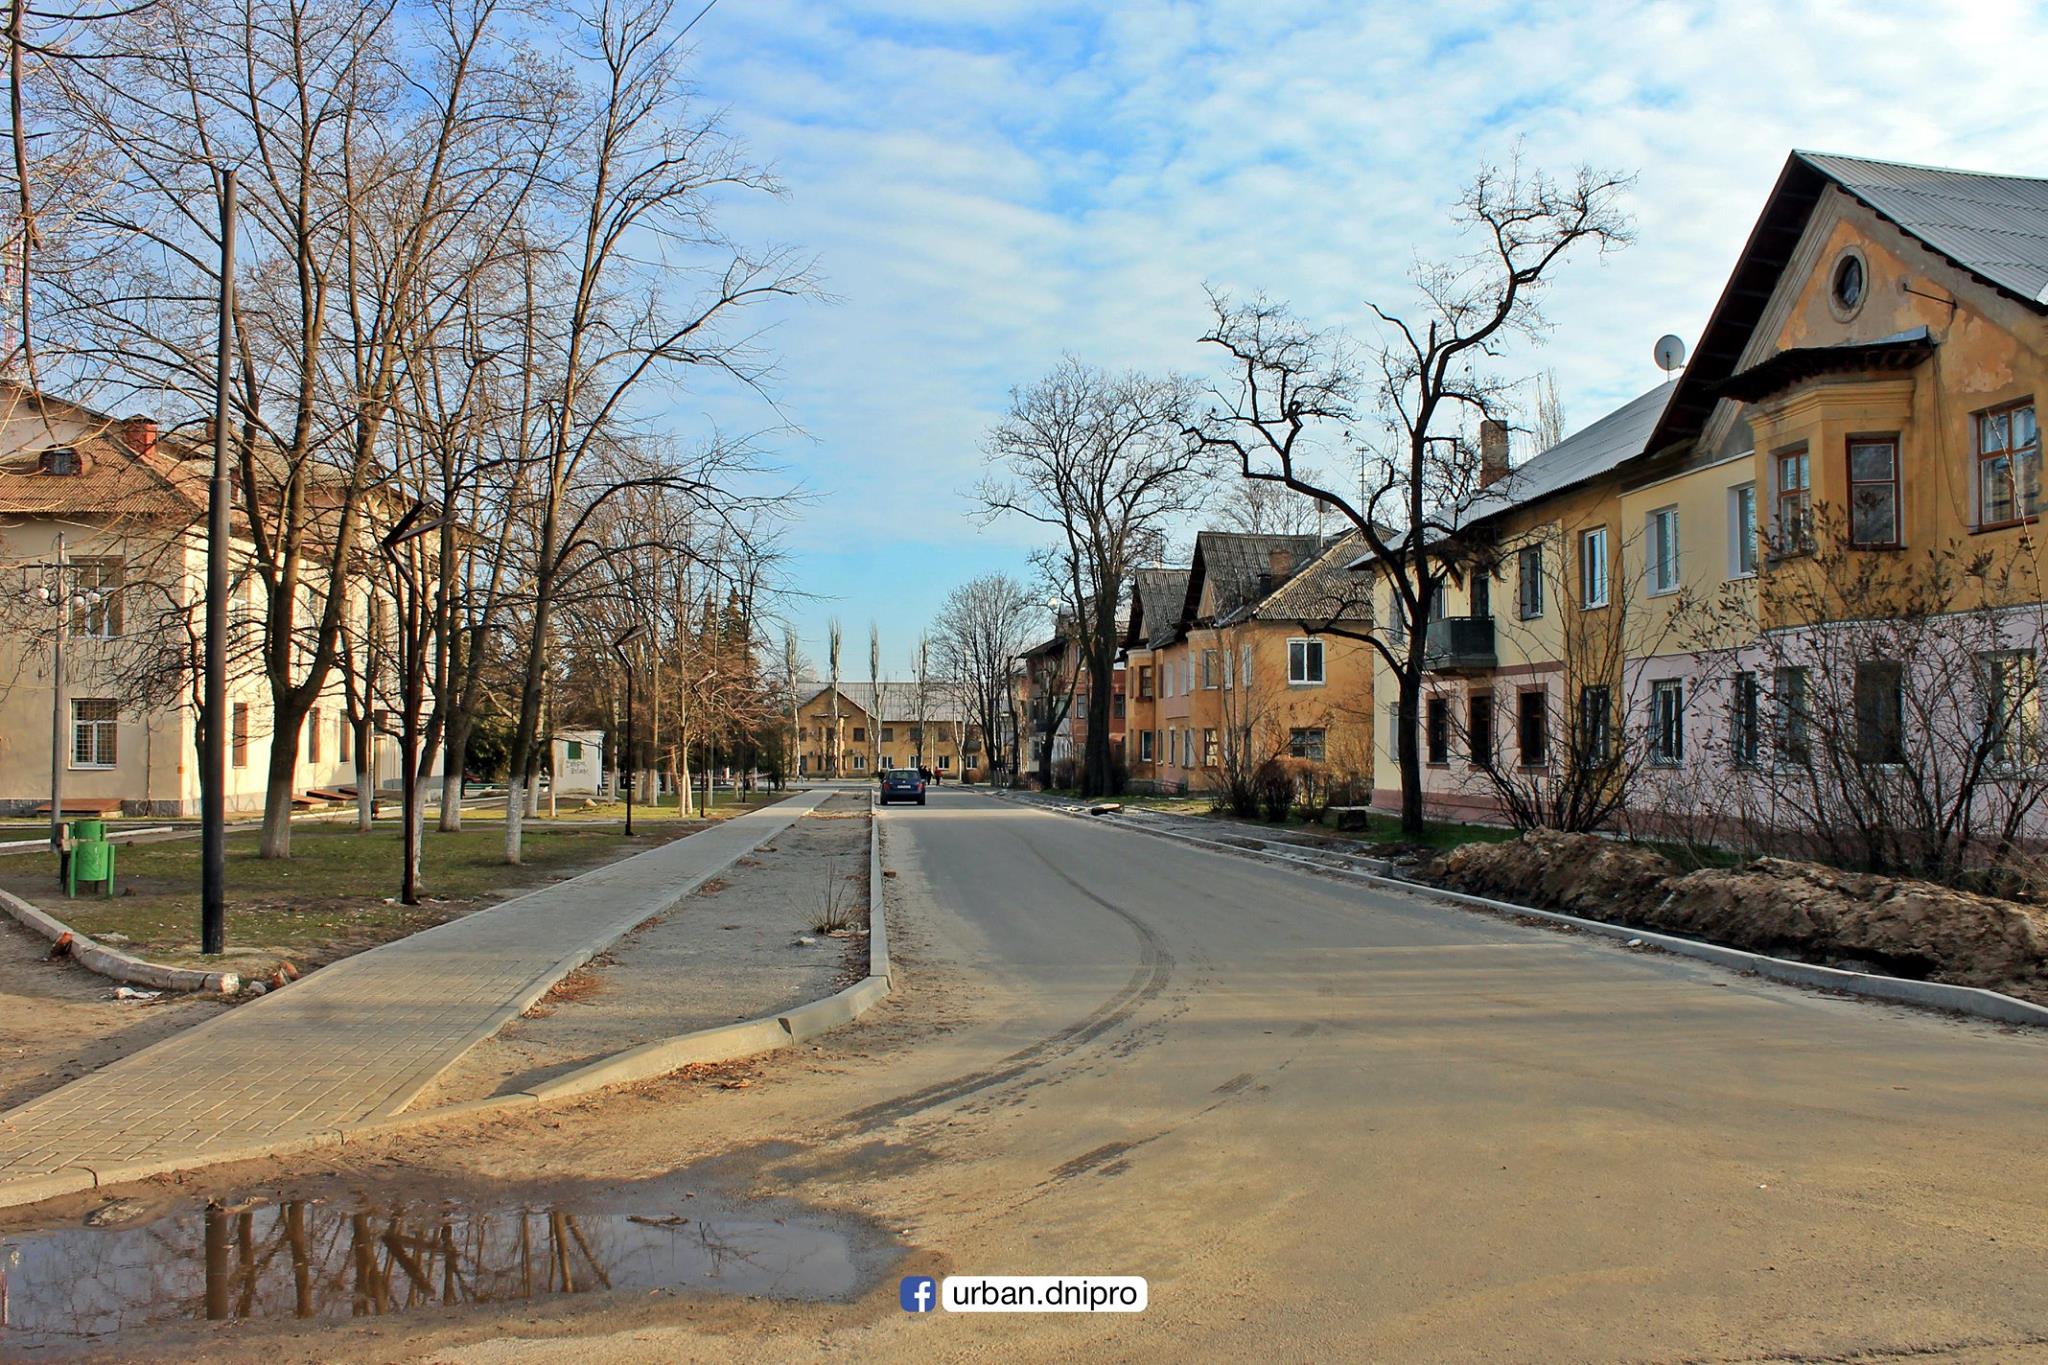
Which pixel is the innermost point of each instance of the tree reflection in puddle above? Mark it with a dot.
(310, 1259)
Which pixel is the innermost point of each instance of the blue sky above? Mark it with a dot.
(988, 185)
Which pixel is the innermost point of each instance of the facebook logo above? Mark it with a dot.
(918, 1293)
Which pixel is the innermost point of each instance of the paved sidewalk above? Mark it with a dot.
(359, 1039)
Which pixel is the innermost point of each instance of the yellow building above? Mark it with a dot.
(859, 729)
(126, 506)
(1250, 654)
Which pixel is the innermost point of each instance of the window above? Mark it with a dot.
(1847, 285)
(860, 763)
(1667, 723)
(1080, 706)
(572, 751)
(98, 581)
(1208, 748)
(1662, 570)
(1482, 595)
(1789, 690)
(238, 736)
(1308, 744)
(1529, 582)
(1479, 728)
(344, 738)
(313, 735)
(1742, 531)
(93, 727)
(2012, 708)
(1874, 492)
(1187, 748)
(1244, 665)
(1211, 674)
(1795, 504)
(1745, 722)
(1437, 729)
(1593, 567)
(1116, 709)
(2008, 464)
(1144, 682)
(1596, 724)
(1229, 669)
(1144, 746)
(1397, 616)
(1532, 727)
(1166, 679)
(888, 734)
(945, 762)
(860, 734)
(1187, 672)
(1880, 711)
(1305, 662)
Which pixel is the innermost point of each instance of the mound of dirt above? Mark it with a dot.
(1897, 926)
(1579, 873)
(1789, 909)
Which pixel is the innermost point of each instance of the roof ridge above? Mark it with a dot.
(1812, 156)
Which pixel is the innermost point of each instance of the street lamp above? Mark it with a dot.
(625, 768)
(58, 593)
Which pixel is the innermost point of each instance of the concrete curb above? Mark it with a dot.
(644, 1062)
(113, 964)
(1970, 1000)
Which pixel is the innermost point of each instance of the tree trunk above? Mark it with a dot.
(453, 755)
(366, 774)
(515, 807)
(277, 794)
(1099, 776)
(1408, 747)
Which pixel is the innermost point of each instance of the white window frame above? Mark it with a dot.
(1244, 667)
(1742, 544)
(1300, 677)
(1596, 537)
(1661, 569)
(1144, 746)
(1672, 727)
(1526, 586)
(94, 733)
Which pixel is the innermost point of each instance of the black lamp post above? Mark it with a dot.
(626, 767)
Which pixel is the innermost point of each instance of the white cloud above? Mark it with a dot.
(989, 185)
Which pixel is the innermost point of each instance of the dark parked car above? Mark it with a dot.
(902, 784)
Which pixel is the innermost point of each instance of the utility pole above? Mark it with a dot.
(213, 754)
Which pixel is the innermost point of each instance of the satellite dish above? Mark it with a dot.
(1670, 353)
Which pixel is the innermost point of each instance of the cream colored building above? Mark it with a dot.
(123, 507)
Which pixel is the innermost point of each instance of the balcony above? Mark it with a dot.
(1459, 644)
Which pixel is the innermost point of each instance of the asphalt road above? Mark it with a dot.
(1328, 1122)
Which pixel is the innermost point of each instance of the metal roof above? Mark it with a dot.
(1994, 226)
(1898, 352)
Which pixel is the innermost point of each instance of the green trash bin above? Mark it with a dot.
(92, 860)
(88, 829)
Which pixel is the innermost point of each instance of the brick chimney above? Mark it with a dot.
(1280, 563)
(1493, 451)
(140, 434)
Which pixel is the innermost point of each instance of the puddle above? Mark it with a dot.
(341, 1257)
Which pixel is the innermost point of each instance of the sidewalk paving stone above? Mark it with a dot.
(361, 1038)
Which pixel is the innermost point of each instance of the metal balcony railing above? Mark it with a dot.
(1459, 643)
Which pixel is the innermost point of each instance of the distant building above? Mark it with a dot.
(856, 729)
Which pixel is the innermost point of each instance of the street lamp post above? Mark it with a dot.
(213, 765)
(626, 662)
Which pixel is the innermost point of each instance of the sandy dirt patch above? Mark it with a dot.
(59, 1021)
(744, 945)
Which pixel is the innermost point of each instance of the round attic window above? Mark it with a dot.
(1847, 286)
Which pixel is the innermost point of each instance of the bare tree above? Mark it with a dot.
(979, 633)
(831, 746)
(1407, 406)
(1104, 462)
(1548, 421)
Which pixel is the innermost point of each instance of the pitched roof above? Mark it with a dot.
(1239, 567)
(1156, 598)
(112, 478)
(899, 699)
(1902, 351)
(1326, 590)
(1586, 453)
(1994, 227)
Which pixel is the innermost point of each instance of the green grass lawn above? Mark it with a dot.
(336, 894)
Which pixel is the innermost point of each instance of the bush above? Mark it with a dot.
(1275, 784)
(1066, 773)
